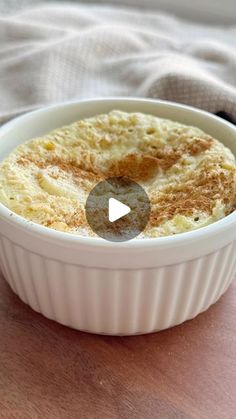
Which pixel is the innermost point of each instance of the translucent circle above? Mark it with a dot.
(127, 192)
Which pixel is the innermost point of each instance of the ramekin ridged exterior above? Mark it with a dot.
(114, 301)
(127, 288)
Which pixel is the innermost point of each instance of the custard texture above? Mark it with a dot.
(189, 176)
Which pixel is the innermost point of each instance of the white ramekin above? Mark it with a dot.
(139, 286)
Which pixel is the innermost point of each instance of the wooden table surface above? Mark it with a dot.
(49, 371)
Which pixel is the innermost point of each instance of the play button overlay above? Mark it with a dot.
(117, 209)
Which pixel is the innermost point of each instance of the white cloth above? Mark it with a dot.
(59, 52)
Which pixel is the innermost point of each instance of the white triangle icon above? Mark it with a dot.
(117, 210)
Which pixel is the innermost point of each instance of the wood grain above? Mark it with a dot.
(49, 371)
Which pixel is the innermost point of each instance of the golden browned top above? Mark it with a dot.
(189, 176)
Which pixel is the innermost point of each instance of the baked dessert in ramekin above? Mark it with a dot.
(138, 286)
(189, 176)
